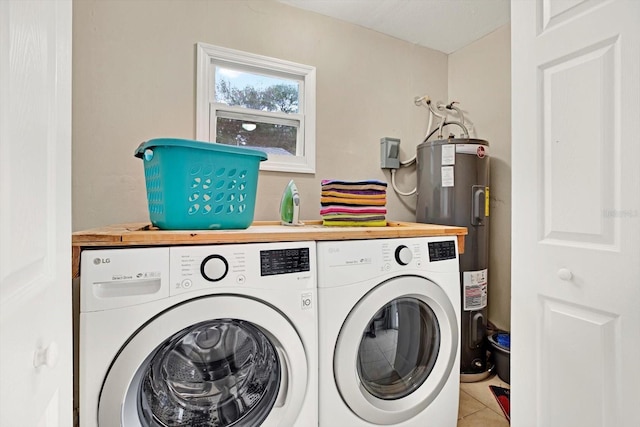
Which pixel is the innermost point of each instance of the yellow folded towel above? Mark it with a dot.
(345, 200)
(380, 223)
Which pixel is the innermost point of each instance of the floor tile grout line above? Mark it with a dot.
(474, 398)
(503, 422)
(499, 412)
(476, 411)
(472, 413)
(486, 403)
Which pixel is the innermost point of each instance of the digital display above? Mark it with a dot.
(284, 261)
(440, 251)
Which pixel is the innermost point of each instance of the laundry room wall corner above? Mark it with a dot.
(480, 79)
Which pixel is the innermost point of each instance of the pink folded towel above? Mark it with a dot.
(336, 209)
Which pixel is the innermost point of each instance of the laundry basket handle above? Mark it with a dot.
(143, 152)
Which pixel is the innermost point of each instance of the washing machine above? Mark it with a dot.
(222, 335)
(388, 316)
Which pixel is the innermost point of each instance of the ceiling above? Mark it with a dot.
(444, 25)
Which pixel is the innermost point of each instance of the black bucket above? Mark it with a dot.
(501, 346)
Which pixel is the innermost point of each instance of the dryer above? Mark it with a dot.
(389, 311)
(222, 335)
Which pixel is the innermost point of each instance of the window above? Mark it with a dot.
(257, 102)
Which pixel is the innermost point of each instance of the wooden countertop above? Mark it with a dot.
(143, 234)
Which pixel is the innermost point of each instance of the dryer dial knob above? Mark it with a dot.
(214, 268)
(403, 255)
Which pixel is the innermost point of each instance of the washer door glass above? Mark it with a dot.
(221, 372)
(398, 349)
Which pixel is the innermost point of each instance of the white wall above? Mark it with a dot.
(134, 79)
(480, 79)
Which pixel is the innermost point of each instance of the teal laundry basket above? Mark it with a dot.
(195, 185)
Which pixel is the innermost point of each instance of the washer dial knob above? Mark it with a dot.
(403, 255)
(214, 268)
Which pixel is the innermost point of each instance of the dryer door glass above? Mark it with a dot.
(222, 372)
(398, 348)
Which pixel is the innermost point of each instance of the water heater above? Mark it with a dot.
(453, 189)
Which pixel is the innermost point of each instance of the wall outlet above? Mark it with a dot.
(389, 152)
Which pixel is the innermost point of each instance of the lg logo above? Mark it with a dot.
(98, 261)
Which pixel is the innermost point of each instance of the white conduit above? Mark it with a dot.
(395, 188)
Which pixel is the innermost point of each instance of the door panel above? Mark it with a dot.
(556, 12)
(576, 213)
(590, 370)
(580, 175)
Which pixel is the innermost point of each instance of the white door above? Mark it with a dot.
(35, 213)
(575, 356)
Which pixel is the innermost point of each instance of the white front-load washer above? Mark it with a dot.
(222, 335)
(388, 316)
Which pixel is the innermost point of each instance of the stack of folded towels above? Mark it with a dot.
(354, 203)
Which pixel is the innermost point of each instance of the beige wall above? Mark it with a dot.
(480, 79)
(134, 79)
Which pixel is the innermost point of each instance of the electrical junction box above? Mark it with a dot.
(389, 152)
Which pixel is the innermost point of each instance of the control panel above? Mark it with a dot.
(284, 261)
(275, 265)
(440, 251)
(357, 260)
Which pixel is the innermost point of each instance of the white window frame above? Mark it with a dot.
(207, 110)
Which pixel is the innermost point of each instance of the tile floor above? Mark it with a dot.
(478, 407)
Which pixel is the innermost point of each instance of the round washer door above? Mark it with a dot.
(214, 361)
(396, 350)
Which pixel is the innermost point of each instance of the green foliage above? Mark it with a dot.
(280, 98)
